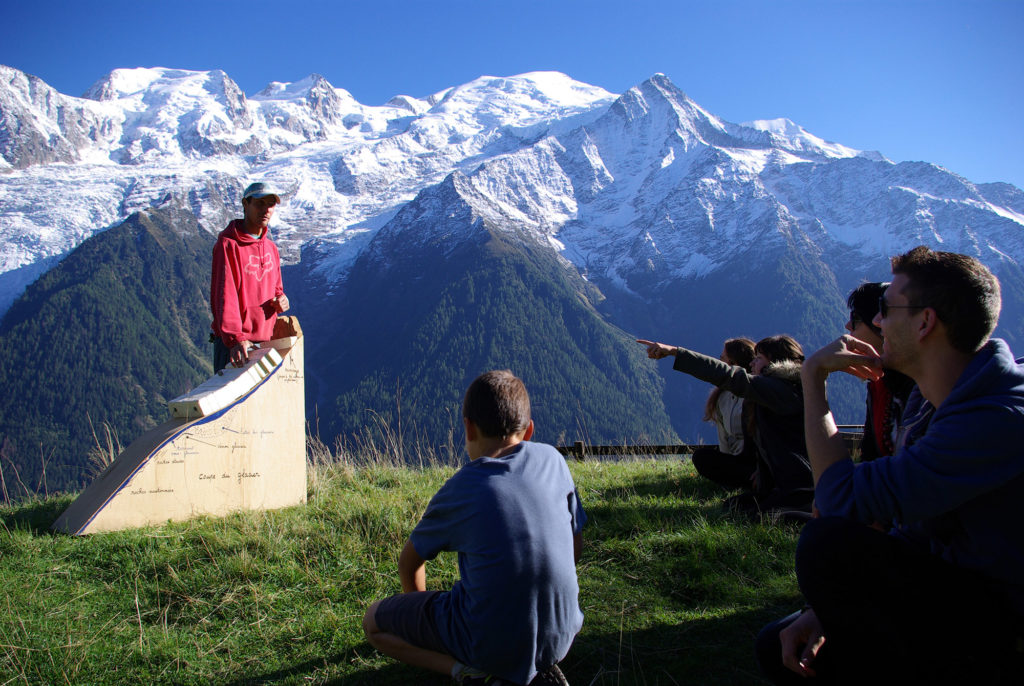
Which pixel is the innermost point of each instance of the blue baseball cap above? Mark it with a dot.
(261, 190)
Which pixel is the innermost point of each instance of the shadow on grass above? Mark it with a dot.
(685, 486)
(391, 673)
(35, 517)
(716, 651)
(689, 497)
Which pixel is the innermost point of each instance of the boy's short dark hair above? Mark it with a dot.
(498, 404)
(962, 291)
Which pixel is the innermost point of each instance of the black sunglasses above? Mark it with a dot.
(884, 307)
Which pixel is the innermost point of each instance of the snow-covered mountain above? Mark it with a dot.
(645, 185)
(607, 217)
(161, 137)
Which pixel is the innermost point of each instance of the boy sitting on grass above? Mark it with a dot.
(513, 515)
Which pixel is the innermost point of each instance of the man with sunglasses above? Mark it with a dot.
(939, 597)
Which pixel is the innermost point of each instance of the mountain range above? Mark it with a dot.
(531, 222)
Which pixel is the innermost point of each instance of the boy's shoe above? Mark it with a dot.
(552, 676)
(485, 680)
(471, 676)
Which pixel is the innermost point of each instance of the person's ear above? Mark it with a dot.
(528, 433)
(471, 430)
(929, 320)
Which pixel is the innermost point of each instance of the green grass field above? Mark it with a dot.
(674, 590)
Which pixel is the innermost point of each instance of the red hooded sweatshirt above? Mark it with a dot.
(245, 280)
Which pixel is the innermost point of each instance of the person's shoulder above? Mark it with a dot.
(229, 233)
(541, 460)
(537, 448)
(458, 486)
(1000, 353)
(994, 367)
(786, 370)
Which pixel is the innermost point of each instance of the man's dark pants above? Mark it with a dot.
(895, 613)
(221, 355)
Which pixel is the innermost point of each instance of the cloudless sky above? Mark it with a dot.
(931, 80)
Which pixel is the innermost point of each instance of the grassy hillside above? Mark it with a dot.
(106, 338)
(673, 589)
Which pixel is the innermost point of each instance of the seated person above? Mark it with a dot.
(514, 517)
(782, 482)
(887, 397)
(732, 462)
(939, 599)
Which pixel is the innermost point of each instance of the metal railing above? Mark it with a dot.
(852, 434)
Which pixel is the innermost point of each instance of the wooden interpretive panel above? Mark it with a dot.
(213, 457)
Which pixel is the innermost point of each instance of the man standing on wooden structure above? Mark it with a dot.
(246, 293)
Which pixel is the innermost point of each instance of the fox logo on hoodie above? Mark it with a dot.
(259, 265)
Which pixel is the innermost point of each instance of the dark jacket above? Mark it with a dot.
(958, 490)
(784, 470)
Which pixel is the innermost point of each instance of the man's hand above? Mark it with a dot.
(845, 354)
(240, 353)
(281, 303)
(801, 642)
(656, 351)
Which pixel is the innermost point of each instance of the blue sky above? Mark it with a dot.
(929, 80)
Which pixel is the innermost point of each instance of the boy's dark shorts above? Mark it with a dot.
(410, 616)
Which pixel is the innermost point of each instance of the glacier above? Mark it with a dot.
(643, 185)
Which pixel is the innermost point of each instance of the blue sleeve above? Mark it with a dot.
(579, 517)
(833, 494)
(438, 530)
(965, 453)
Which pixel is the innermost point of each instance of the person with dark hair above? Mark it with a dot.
(732, 462)
(939, 599)
(513, 515)
(781, 479)
(887, 397)
(246, 293)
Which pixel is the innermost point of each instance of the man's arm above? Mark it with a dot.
(227, 313)
(281, 303)
(825, 446)
(412, 569)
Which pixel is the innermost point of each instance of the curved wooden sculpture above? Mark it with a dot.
(236, 442)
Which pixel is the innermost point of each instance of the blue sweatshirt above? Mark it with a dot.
(958, 489)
